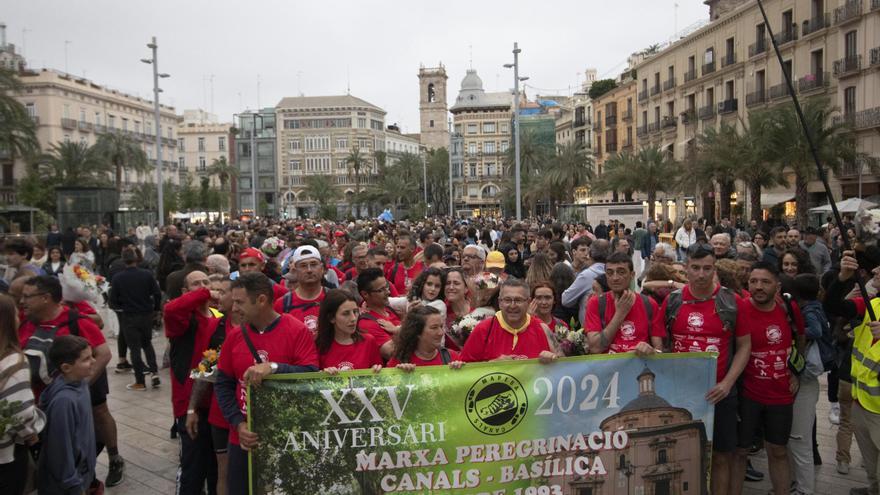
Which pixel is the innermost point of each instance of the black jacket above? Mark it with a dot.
(135, 290)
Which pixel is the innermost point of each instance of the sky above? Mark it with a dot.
(375, 48)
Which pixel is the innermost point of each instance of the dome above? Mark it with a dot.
(471, 81)
(646, 401)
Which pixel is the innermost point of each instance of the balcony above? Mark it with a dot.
(690, 75)
(654, 127)
(580, 122)
(848, 66)
(813, 82)
(875, 4)
(642, 131)
(875, 54)
(756, 98)
(610, 120)
(707, 112)
(84, 126)
(655, 90)
(611, 147)
(709, 68)
(759, 47)
(786, 35)
(35, 120)
(627, 116)
(643, 95)
(865, 119)
(816, 24)
(728, 59)
(597, 125)
(669, 84)
(688, 117)
(852, 170)
(728, 106)
(68, 124)
(669, 122)
(849, 12)
(779, 91)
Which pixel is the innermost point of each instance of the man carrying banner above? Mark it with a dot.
(266, 343)
(768, 387)
(701, 317)
(637, 326)
(512, 333)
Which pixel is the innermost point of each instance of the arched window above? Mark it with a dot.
(489, 191)
(432, 97)
(289, 197)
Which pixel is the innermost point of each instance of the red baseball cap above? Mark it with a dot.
(340, 233)
(252, 253)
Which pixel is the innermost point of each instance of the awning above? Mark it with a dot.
(850, 205)
(771, 199)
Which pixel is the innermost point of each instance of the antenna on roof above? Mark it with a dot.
(258, 91)
(471, 57)
(348, 80)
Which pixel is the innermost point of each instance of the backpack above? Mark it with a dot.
(827, 350)
(796, 359)
(649, 310)
(36, 349)
(288, 306)
(725, 308)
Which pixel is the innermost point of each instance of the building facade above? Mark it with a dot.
(433, 108)
(71, 108)
(614, 126)
(201, 140)
(724, 70)
(255, 159)
(483, 120)
(397, 144)
(10, 58)
(316, 135)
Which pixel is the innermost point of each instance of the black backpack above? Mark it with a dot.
(725, 308)
(646, 301)
(37, 347)
(288, 306)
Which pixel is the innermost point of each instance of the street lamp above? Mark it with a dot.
(516, 81)
(156, 90)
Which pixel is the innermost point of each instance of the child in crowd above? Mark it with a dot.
(426, 290)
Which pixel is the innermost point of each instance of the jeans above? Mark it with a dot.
(198, 464)
(800, 443)
(866, 426)
(845, 431)
(138, 330)
(121, 347)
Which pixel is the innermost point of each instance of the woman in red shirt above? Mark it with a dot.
(341, 346)
(420, 341)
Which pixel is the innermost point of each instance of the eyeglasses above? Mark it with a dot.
(507, 301)
(470, 257)
(35, 294)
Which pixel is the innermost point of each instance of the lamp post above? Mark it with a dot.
(158, 123)
(516, 80)
(425, 181)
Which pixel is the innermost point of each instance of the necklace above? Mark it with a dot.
(423, 357)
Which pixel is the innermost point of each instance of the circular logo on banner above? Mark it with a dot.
(496, 404)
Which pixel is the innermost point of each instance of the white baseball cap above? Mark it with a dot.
(304, 253)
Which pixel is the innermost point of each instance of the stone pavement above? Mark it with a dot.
(144, 420)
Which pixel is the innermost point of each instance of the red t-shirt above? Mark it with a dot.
(367, 324)
(635, 327)
(359, 355)
(87, 330)
(304, 310)
(437, 361)
(287, 341)
(489, 341)
(404, 277)
(697, 328)
(766, 376)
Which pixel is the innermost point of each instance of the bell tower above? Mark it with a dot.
(432, 107)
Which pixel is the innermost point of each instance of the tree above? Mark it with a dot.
(438, 179)
(320, 188)
(533, 158)
(70, 163)
(355, 162)
(756, 168)
(144, 196)
(600, 87)
(572, 167)
(226, 174)
(18, 133)
(650, 171)
(789, 147)
(720, 153)
(123, 153)
(187, 196)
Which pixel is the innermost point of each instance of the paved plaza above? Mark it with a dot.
(144, 421)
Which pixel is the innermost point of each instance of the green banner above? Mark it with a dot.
(609, 424)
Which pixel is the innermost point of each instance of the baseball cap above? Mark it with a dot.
(495, 259)
(304, 253)
(252, 253)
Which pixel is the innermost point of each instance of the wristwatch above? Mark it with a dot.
(273, 367)
(671, 285)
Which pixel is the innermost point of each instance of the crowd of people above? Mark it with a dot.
(778, 306)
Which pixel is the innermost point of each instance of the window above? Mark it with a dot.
(709, 56)
(362, 122)
(341, 164)
(430, 123)
(472, 148)
(473, 170)
(244, 183)
(472, 128)
(341, 143)
(201, 144)
(293, 165)
(97, 118)
(489, 128)
(67, 138)
(489, 147)
(661, 456)
(169, 132)
(363, 143)
(849, 100)
(490, 169)
(137, 126)
(432, 97)
(124, 124)
(31, 110)
(760, 81)
(82, 114)
(181, 144)
(849, 44)
(181, 162)
(66, 111)
(202, 164)
(503, 146)
(317, 143)
(294, 145)
(221, 143)
(318, 164)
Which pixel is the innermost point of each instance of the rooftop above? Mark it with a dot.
(325, 102)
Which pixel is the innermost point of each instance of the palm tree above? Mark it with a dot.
(532, 158)
(756, 168)
(225, 173)
(123, 152)
(72, 164)
(18, 134)
(834, 144)
(356, 161)
(720, 153)
(572, 167)
(322, 190)
(650, 171)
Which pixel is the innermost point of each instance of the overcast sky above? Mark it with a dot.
(320, 47)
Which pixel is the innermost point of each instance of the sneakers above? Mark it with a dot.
(116, 473)
(843, 467)
(154, 381)
(753, 474)
(834, 413)
(137, 387)
(123, 367)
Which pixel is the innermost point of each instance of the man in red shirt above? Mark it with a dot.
(405, 269)
(359, 258)
(252, 260)
(698, 327)
(768, 387)
(377, 318)
(512, 333)
(266, 343)
(638, 326)
(304, 301)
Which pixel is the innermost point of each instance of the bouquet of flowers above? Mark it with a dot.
(7, 415)
(486, 281)
(272, 246)
(572, 342)
(79, 284)
(207, 366)
(462, 327)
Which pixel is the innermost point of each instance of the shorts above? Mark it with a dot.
(99, 389)
(724, 438)
(774, 420)
(220, 439)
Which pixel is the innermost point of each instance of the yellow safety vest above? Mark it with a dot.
(866, 365)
